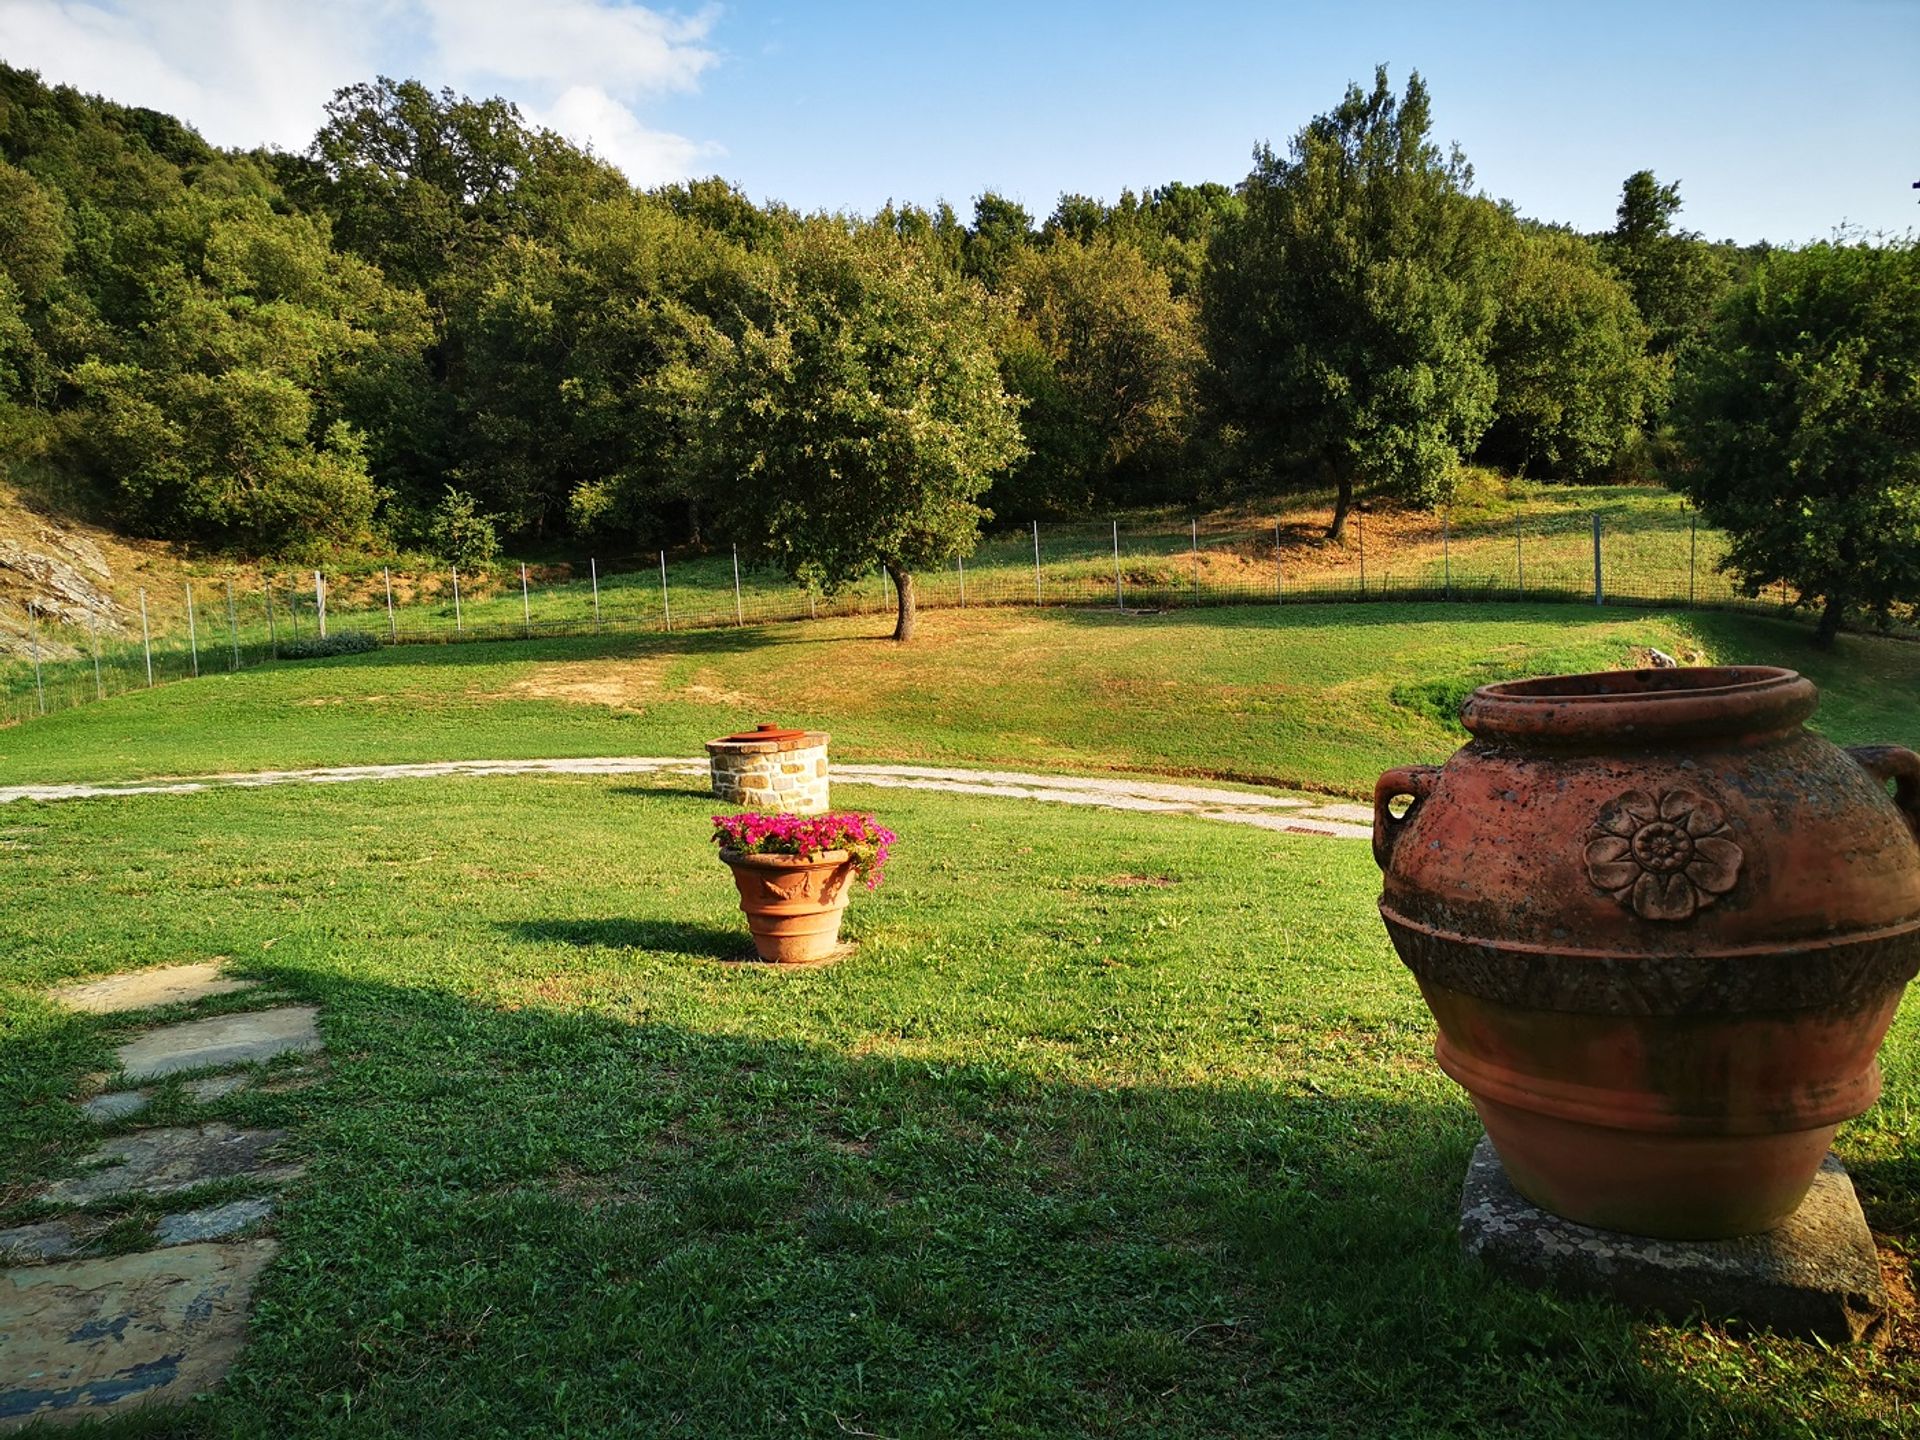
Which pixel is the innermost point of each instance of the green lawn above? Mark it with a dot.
(1322, 696)
(1113, 1125)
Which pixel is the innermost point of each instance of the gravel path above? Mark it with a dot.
(1291, 814)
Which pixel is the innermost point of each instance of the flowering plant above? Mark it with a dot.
(861, 836)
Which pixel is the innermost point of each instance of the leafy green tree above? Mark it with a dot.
(1002, 228)
(858, 422)
(1675, 276)
(1800, 413)
(227, 418)
(1569, 353)
(460, 534)
(1347, 310)
(1105, 361)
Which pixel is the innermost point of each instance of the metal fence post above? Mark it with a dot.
(1119, 594)
(1036, 563)
(1195, 536)
(1446, 552)
(666, 605)
(393, 627)
(273, 630)
(233, 627)
(1519, 562)
(320, 603)
(193, 636)
(961, 565)
(736, 587)
(459, 626)
(1360, 530)
(1599, 585)
(1693, 552)
(99, 685)
(593, 567)
(146, 638)
(526, 604)
(33, 624)
(293, 607)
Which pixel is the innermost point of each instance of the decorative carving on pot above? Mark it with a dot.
(1663, 858)
(1662, 929)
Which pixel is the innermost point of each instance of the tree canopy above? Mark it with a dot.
(859, 419)
(1802, 425)
(1348, 308)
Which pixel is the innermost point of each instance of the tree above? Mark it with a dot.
(1569, 353)
(1347, 308)
(1800, 413)
(858, 421)
(1105, 361)
(1676, 278)
(1001, 229)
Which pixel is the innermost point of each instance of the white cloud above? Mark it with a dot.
(647, 157)
(618, 48)
(243, 74)
(251, 72)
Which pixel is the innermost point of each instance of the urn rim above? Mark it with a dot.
(1642, 705)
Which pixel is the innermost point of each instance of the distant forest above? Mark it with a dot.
(438, 323)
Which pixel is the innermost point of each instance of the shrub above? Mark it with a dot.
(323, 647)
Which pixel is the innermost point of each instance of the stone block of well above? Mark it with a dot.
(772, 770)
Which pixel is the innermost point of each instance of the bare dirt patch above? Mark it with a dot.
(617, 685)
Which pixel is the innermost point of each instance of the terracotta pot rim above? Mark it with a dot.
(786, 862)
(1644, 705)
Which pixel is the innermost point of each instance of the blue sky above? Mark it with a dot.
(1780, 120)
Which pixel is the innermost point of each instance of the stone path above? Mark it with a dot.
(94, 1336)
(1290, 814)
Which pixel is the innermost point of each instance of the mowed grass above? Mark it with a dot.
(1113, 1125)
(1319, 697)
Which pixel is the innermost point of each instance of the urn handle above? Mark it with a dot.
(1902, 767)
(1415, 781)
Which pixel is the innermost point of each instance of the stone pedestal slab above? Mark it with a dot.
(1817, 1276)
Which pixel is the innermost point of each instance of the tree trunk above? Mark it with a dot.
(1829, 623)
(903, 591)
(1337, 531)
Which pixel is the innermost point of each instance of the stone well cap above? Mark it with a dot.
(767, 740)
(766, 731)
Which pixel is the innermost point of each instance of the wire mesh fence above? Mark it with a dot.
(1654, 557)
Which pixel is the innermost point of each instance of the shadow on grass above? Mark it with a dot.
(550, 1218)
(667, 937)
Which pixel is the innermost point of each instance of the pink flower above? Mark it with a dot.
(861, 836)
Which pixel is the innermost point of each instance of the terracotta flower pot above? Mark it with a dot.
(793, 906)
(1663, 930)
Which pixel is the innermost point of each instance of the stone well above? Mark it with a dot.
(771, 769)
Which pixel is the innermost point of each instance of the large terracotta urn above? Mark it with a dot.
(1662, 928)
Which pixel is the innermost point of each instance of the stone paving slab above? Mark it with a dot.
(117, 1105)
(143, 989)
(213, 1222)
(1817, 1276)
(48, 1240)
(98, 1338)
(254, 1036)
(170, 1159)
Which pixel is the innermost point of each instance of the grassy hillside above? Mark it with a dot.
(1321, 697)
(1501, 539)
